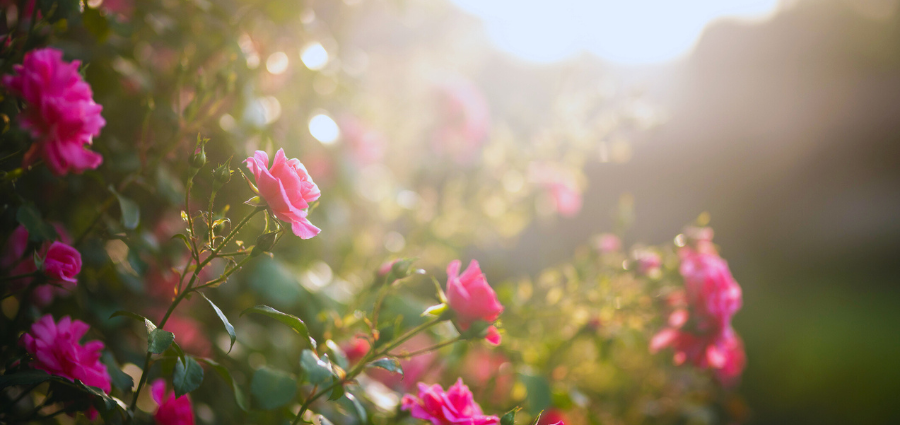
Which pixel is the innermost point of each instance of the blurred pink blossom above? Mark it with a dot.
(366, 145)
(190, 335)
(560, 184)
(453, 407)
(288, 189)
(552, 417)
(648, 262)
(608, 243)
(464, 120)
(472, 298)
(356, 348)
(421, 368)
(481, 367)
(61, 112)
(172, 410)
(56, 350)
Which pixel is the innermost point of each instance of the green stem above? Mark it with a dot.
(426, 350)
(186, 291)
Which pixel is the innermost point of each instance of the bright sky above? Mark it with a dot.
(621, 31)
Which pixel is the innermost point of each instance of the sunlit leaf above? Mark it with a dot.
(292, 321)
(388, 364)
(228, 327)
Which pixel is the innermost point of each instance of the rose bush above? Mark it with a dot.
(128, 216)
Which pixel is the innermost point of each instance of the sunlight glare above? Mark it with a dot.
(314, 56)
(277, 63)
(324, 129)
(625, 32)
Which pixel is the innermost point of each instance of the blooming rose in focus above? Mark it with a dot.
(453, 407)
(62, 263)
(56, 350)
(172, 410)
(61, 112)
(470, 296)
(287, 188)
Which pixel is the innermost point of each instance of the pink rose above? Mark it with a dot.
(61, 112)
(648, 262)
(453, 407)
(287, 188)
(560, 183)
(608, 243)
(566, 197)
(172, 410)
(191, 336)
(56, 350)
(61, 264)
(356, 349)
(722, 351)
(470, 296)
(712, 293)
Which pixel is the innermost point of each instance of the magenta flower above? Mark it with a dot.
(722, 351)
(607, 243)
(61, 112)
(472, 298)
(172, 410)
(56, 350)
(287, 188)
(62, 263)
(712, 293)
(453, 407)
(648, 262)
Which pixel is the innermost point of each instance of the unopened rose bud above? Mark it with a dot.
(264, 243)
(222, 174)
(198, 159)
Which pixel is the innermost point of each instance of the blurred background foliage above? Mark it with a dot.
(782, 130)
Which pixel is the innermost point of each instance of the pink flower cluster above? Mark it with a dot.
(464, 120)
(288, 189)
(172, 410)
(62, 263)
(472, 298)
(453, 407)
(699, 328)
(56, 350)
(61, 112)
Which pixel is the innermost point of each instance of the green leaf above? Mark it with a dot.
(96, 23)
(239, 396)
(131, 213)
(337, 354)
(184, 239)
(293, 321)
(159, 341)
(25, 377)
(509, 418)
(228, 327)
(38, 230)
(360, 410)
(537, 418)
(272, 388)
(188, 376)
(337, 391)
(316, 370)
(388, 364)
